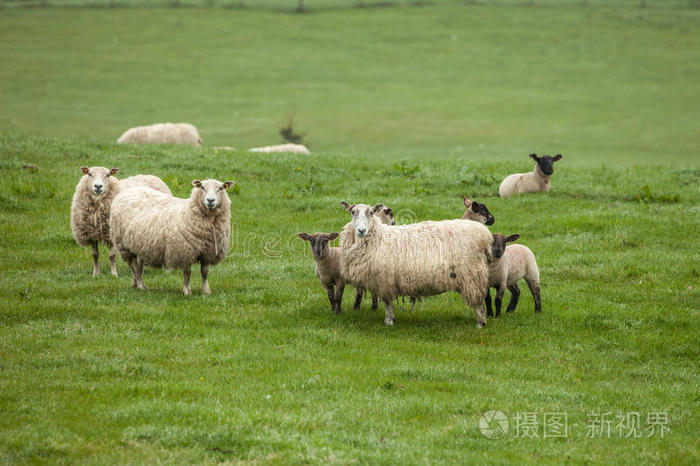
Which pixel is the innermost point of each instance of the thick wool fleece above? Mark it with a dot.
(162, 133)
(531, 182)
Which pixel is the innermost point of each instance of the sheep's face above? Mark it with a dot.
(211, 194)
(477, 212)
(546, 162)
(318, 242)
(99, 178)
(364, 216)
(386, 215)
(498, 246)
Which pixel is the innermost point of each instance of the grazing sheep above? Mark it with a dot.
(294, 148)
(509, 265)
(419, 259)
(477, 212)
(386, 216)
(162, 133)
(89, 214)
(533, 182)
(327, 266)
(151, 228)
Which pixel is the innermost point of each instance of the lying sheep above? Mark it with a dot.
(386, 216)
(293, 148)
(151, 228)
(162, 133)
(419, 259)
(535, 181)
(509, 265)
(327, 266)
(89, 214)
(477, 212)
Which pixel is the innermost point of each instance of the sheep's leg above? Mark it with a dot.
(375, 302)
(487, 300)
(136, 266)
(514, 297)
(139, 267)
(95, 259)
(331, 296)
(389, 315)
(113, 260)
(479, 311)
(339, 295)
(358, 298)
(499, 299)
(186, 275)
(205, 279)
(535, 290)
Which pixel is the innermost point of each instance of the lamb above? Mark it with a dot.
(477, 212)
(92, 201)
(510, 264)
(327, 266)
(162, 133)
(535, 181)
(386, 216)
(151, 228)
(419, 259)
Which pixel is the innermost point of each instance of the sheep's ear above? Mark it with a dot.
(557, 157)
(346, 206)
(511, 238)
(228, 184)
(467, 202)
(196, 183)
(533, 157)
(85, 170)
(332, 236)
(304, 236)
(389, 211)
(377, 208)
(113, 171)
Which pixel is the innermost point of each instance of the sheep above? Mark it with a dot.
(89, 216)
(386, 216)
(535, 181)
(162, 133)
(419, 259)
(327, 266)
(509, 265)
(477, 212)
(151, 228)
(294, 148)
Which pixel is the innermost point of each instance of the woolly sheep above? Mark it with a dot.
(537, 180)
(509, 265)
(327, 266)
(419, 259)
(294, 148)
(92, 201)
(151, 228)
(386, 216)
(162, 133)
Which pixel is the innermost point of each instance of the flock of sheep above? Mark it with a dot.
(139, 218)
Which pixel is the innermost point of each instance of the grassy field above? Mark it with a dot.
(413, 107)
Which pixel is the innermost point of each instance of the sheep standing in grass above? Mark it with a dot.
(151, 228)
(386, 216)
(162, 133)
(327, 266)
(92, 201)
(509, 265)
(477, 212)
(536, 181)
(419, 259)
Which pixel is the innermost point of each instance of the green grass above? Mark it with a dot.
(413, 107)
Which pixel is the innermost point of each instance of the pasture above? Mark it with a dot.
(411, 106)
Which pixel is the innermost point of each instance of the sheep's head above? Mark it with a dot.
(477, 212)
(546, 162)
(498, 246)
(318, 242)
(364, 216)
(210, 195)
(99, 178)
(386, 215)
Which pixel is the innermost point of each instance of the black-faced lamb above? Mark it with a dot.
(509, 265)
(151, 228)
(538, 180)
(162, 133)
(327, 266)
(419, 259)
(92, 201)
(477, 212)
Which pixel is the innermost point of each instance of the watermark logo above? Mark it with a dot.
(493, 424)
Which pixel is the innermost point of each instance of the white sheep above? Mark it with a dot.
(538, 180)
(327, 266)
(509, 265)
(386, 216)
(151, 228)
(89, 215)
(419, 259)
(162, 133)
(293, 148)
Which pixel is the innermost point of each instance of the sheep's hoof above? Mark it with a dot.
(389, 321)
(96, 273)
(114, 272)
(206, 291)
(186, 291)
(481, 324)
